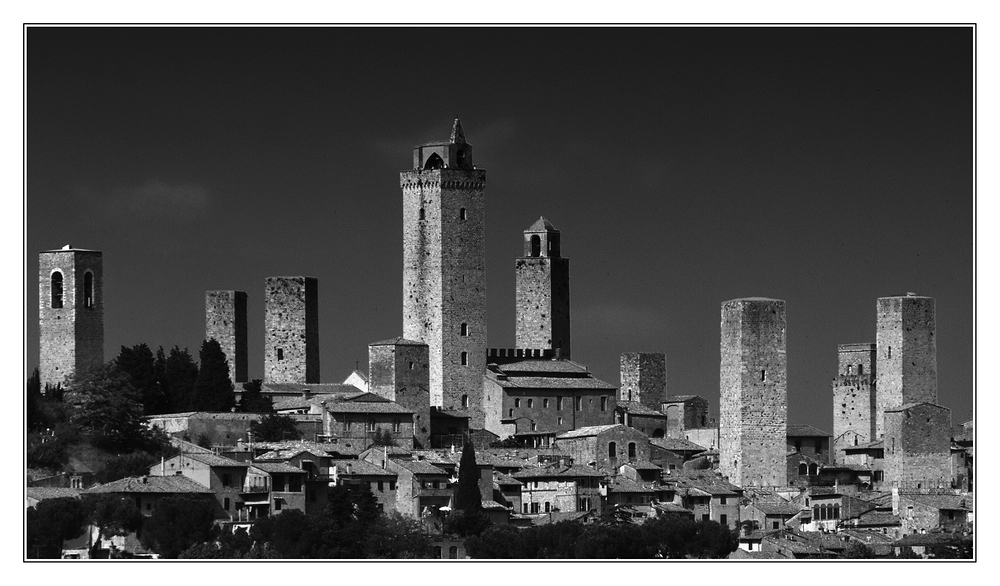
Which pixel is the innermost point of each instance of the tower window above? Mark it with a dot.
(559, 404)
(57, 290)
(461, 214)
(281, 354)
(434, 162)
(411, 365)
(545, 403)
(464, 329)
(422, 216)
(536, 245)
(763, 376)
(861, 369)
(604, 403)
(579, 403)
(517, 403)
(88, 289)
(465, 401)
(465, 358)
(631, 450)
(612, 450)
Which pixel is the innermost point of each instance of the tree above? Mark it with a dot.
(236, 545)
(106, 404)
(33, 400)
(213, 389)
(396, 537)
(275, 428)
(178, 373)
(468, 497)
(51, 522)
(134, 464)
(113, 514)
(177, 523)
(856, 550)
(383, 437)
(251, 400)
(137, 362)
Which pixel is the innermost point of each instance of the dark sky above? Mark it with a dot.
(684, 167)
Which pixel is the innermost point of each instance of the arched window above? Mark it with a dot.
(57, 290)
(850, 369)
(422, 215)
(536, 245)
(434, 162)
(437, 552)
(460, 157)
(631, 450)
(579, 403)
(836, 511)
(461, 214)
(465, 401)
(531, 403)
(658, 432)
(465, 358)
(612, 450)
(545, 403)
(517, 402)
(861, 369)
(88, 289)
(763, 376)
(813, 470)
(803, 469)
(464, 329)
(453, 553)
(510, 413)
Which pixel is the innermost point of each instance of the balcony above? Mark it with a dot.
(259, 487)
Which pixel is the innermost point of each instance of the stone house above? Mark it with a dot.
(359, 419)
(607, 446)
(920, 513)
(870, 456)
(708, 496)
(559, 488)
(671, 453)
(831, 509)
(448, 428)
(224, 477)
(422, 488)
(769, 514)
(809, 441)
(535, 400)
(507, 491)
(637, 498)
(147, 491)
(376, 478)
(217, 429)
(647, 420)
(685, 413)
(288, 489)
(917, 446)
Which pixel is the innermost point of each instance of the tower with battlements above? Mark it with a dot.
(854, 394)
(753, 403)
(444, 270)
(543, 291)
(70, 313)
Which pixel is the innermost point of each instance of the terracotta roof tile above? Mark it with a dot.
(151, 485)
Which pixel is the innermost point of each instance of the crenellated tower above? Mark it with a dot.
(854, 396)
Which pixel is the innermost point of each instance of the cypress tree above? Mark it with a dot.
(468, 498)
(213, 389)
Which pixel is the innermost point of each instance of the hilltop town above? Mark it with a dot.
(542, 440)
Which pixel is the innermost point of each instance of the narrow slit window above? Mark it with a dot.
(57, 290)
(462, 214)
(422, 214)
(281, 354)
(464, 329)
(763, 376)
(465, 358)
(88, 290)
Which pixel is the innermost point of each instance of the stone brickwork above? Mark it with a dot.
(444, 270)
(917, 446)
(542, 291)
(70, 313)
(291, 326)
(854, 396)
(644, 378)
(226, 322)
(753, 393)
(686, 413)
(906, 367)
(399, 370)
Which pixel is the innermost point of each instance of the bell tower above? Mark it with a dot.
(543, 291)
(444, 270)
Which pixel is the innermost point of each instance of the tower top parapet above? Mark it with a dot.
(454, 153)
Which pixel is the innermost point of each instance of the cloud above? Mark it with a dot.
(153, 200)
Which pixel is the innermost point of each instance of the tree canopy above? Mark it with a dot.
(177, 523)
(275, 428)
(213, 389)
(51, 522)
(107, 405)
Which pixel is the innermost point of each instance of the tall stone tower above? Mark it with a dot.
(291, 330)
(226, 321)
(753, 393)
(398, 370)
(444, 270)
(906, 368)
(70, 313)
(854, 393)
(543, 291)
(644, 378)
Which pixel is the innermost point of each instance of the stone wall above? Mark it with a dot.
(550, 410)
(917, 446)
(906, 366)
(291, 330)
(542, 312)
(399, 371)
(599, 449)
(226, 322)
(644, 378)
(444, 281)
(753, 392)
(72, 334)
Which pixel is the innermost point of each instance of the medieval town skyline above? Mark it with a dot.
(679, 176)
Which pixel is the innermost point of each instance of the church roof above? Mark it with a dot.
(542, 225)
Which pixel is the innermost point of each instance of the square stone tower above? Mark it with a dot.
(854, 397)
(291, 330)
(70, 313)
(906, 367)
(444, 270)
(543, 291)
(644, 378)
(398, 370)
(753, 400)
(917, 446)
(226, 321)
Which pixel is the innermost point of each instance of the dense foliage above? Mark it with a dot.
(252, 401)
(275, 428)
(177, 523)
(50, 523)
(213, 389)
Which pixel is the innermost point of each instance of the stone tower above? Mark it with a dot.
(753, 393)
(226, 321)
(70, 313)
(906, 368)
(398, 370)
(644, 378)
(444, 270)
(543, 291)
(291, 330)
(854, 396)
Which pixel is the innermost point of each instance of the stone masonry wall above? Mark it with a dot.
(400, 373)
(444, 281)
(542, 297)
(906, 367)
(291, 325)
(918, 446)
(226, 321)
(644, 378)
(753, 393)
(71, 336)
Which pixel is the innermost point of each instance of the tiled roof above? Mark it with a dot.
(420, 467)
(278, 468)
(557, 517)
(397, 342)
(711, 484)
(390, 450)
(588, 431)
(637, 408)
(777, 508)
(672, 508)
(41, 493)
(150, 484)
(622, 484)
(507, 480)
(682, 398)
(742, 554)
(542, 225)
(491, 504)
(552, 382)
(643, 465)
(946, 502)
(908, 406)
(555, 471)
(314, 388)
(360, 468)
(367, 407)
(546, 366)
(803, 430)
(287, 449)
(676, 444)
(213, 460)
